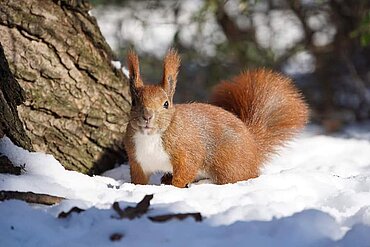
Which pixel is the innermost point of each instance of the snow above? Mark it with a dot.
(315, 193)
(118, 65)
(125, 71)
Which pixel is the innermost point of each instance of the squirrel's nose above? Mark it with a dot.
(147, 115)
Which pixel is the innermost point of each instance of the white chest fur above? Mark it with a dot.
(150, 153)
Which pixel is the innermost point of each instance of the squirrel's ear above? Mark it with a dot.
(134, 70)
(171, 66)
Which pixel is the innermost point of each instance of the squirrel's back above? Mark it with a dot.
(267, 102)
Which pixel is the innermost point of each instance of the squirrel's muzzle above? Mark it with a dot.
(148, 115)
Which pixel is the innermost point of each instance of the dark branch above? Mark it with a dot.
(167, 217)
(134, 212)
(30, 197)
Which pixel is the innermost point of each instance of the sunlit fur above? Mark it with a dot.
(267, 102)
(262, 110)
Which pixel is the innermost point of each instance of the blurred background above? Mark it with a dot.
(323, 44)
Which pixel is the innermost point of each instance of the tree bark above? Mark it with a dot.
(77, 102)
(11, 95)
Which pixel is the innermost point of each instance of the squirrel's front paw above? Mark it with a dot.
(166, 179)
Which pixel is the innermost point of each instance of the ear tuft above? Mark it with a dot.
(171, 66)
(134, 69)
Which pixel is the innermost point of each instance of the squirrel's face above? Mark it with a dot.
(152, 107)
(151, 110)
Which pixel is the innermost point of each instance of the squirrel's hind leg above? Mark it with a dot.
(234, 163)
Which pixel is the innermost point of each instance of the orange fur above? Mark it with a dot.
(134, 69)
(171, 66)
(267, 102)
(262, 110)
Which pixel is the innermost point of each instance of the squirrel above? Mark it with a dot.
(225, 141)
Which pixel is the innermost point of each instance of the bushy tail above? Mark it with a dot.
(269, 104)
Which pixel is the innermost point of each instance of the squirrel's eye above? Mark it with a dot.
(165, 105)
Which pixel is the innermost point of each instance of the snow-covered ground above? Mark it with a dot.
(316, 193)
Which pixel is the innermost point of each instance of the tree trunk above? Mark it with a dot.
(77, 102)
(11, 95)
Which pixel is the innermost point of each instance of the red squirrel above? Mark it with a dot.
(225, 141)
